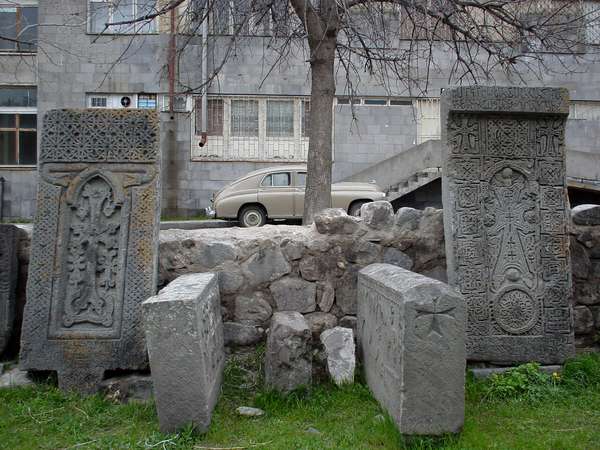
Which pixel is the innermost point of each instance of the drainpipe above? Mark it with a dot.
(204, 117)
(2, 181)
(171, 63)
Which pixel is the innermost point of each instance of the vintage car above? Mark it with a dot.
(278, 193)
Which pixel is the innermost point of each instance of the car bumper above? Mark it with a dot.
(210, 212)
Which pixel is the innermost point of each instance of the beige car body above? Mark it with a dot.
(284, 202)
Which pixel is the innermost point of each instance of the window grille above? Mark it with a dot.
(280, 118)
(146, 101)
(428, 119)
(98, 102)
(252, 129)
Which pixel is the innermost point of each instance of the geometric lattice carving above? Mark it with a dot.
(94, 247)
(505, 220)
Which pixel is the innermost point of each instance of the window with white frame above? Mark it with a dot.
(101, 12)
(253, 129)
(19, 25)
(18, 126)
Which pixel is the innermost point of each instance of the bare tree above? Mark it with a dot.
(397, 42)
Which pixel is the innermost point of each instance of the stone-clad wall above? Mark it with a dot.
(284, 265)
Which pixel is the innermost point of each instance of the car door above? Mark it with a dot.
(300, 188)
(276, 194)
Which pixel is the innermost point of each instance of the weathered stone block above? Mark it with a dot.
(377, 215)
(294, 294)
(341, 359)
(336, 221)
(8, 282)
(411, 332)
(288, 361)
(505, 217)
(94, 247)
(184, 332)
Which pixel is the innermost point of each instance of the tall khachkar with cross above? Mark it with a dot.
(505, 217)
(94, 247)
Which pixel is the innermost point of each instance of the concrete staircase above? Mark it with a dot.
(413, 183)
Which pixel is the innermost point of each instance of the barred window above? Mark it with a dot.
(244, 118)
(146, 101)
(214, 118)
(305, 118)
(280, 118)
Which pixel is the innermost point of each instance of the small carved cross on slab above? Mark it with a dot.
(434, 312)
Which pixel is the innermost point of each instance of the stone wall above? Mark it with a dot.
(314, 269)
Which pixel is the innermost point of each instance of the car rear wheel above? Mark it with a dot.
(354, 209)
(252, 216)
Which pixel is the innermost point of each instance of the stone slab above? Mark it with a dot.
(288, 358)
(505, 218)
(94, 246)
(8, 282)
(411, 334)
(184, 331)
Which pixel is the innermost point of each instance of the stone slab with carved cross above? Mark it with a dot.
(184, 332)
(411, 335)
(94, 246)
(505, 218)
(8, 282)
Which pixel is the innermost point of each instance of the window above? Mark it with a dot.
(301, 179)
(277, 180)
(98, 102)
(375, 101)
(146, 101)
(21, 24)
(101, 12)
(18, 139)
(244, 118)
(214, 119)
(305, 118)
(18, 96)
(280, 118)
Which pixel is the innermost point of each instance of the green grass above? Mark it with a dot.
(542, 413)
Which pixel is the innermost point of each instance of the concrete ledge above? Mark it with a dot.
(196, 224)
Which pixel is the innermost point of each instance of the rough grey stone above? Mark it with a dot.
(345, 292)
(336, 221)
(252, 309)
(8, 282)
(408, 218)
(341, 360)
(212, 254)
(266, 265)
(326, 294)
(397, 258)
(581, 265)
(505, 218)
(377, 215)
(294, 294)
(583, 320)
(128, 388)
(586, 214)
(184, 332)
(293, 250)
(240, 334)
(363, 252)
(231, 280)
(14, 377)
(94, 247)
(320, 321)
(249, 411)
(288, 362)
(318, 268)
(411, 332)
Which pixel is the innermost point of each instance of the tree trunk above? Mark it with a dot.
(318, 180)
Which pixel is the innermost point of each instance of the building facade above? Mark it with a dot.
(61, 55)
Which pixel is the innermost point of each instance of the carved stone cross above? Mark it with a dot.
(433, 310)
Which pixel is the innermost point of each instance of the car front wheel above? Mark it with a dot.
(354, 209)
(252, 216)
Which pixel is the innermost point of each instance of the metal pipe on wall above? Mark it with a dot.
(204, 113)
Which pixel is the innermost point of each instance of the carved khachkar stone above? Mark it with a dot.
(411, 334)
(8, 282)
(184, 332)
(94, 246)
(505, 216)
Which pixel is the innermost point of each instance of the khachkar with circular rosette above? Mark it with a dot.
(94, 247)
(505, 216)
